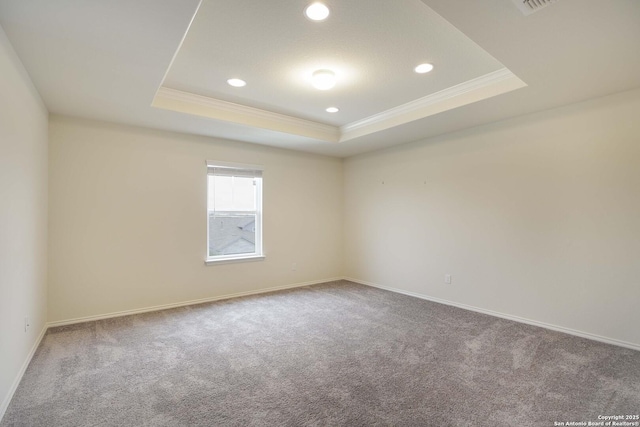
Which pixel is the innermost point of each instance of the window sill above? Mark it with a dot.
(248, 258)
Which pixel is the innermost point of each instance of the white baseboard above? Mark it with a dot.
(184, 303)
(569, 331)
(16, 381)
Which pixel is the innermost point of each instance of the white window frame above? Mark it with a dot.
(259, 253)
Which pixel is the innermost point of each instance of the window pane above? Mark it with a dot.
(231, 234)
(244, 194)
(231, 194)
(223, 193)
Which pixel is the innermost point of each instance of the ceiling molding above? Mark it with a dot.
(191, 103)
(486, 86)
(483, 87)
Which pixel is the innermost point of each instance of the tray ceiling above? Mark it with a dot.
(275, 49)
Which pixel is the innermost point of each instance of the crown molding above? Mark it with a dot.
(483, 87)
(191, 103)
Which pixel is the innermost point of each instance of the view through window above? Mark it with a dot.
(234, 205)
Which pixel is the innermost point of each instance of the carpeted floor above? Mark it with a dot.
(333, 354)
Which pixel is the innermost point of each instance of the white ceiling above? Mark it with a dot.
(108, 59)
(276, 49)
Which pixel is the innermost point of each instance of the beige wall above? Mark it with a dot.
(23, 217)
(537, 217)
(128, 218)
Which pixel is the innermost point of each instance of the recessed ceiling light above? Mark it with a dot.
(423, 68)
(317, 11)
(332, 110)
(323, 79)
(236, 82)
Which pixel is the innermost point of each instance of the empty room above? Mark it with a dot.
(319, 213)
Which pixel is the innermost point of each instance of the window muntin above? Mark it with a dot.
(234, 212)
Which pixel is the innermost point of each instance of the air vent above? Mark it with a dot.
(527, 7)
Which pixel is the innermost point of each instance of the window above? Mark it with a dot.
(234, 212)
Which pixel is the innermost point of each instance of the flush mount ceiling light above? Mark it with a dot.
(317, 11)
(237, 82)
(332, 110)
(323, 79)
(423, 68)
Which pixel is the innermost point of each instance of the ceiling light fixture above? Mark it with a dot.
(237, 82)
(423, 68)
(317, 11)
(323, 79)
(332, 110)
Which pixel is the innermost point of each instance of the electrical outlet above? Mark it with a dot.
(294, 266)
(447, 279)
(26, 323)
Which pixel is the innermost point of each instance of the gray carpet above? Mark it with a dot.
(333, 354)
